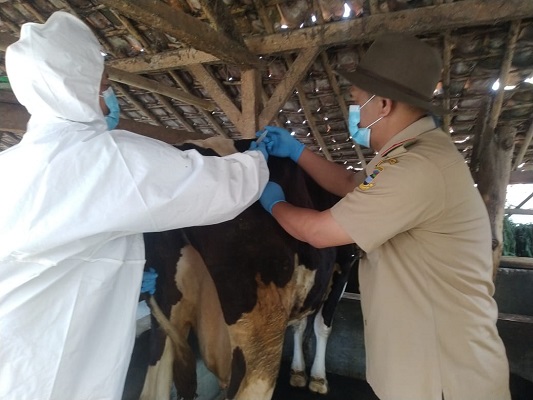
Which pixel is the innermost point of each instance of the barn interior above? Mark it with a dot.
(192, 69)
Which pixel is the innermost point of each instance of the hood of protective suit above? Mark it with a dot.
(55, 70)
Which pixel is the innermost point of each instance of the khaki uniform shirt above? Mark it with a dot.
(426, 279)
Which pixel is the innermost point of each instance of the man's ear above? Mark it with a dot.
(387, 105)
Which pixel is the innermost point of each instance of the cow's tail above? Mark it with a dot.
(185, 360)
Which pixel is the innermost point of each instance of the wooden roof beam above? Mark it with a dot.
(286, 87)
(217, 92)
(360, 30)
(15, 119)
(222, 20)
(524, 148)
(312, 123)
(334, 83)
(514, 31)
(156, 87)
(207, 115)
(251, 90)
(186, 29)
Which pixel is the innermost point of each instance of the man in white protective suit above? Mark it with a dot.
(75, 200)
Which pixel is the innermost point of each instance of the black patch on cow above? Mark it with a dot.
(163, 251)
(238, 370)
(202, 150)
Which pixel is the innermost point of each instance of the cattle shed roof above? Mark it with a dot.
(230, 67)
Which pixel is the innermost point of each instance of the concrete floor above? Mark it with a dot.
(344, 361)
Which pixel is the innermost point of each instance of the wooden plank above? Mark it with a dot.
(516, 262)
(250, 102)
(186, 29)
(220, 17)
(15, 118)
(342, 104)
(492, 180)
(415, 21)
(521, 177)
(285, 88)
(217, 92)
(524, 147)
(514, 30)
(154, 86)
(207, 115)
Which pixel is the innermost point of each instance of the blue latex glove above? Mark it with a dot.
(148, 284)
(111, 102)
(280, 143)
(260, 147)
(272, 194)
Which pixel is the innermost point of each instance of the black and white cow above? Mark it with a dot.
(238, 285)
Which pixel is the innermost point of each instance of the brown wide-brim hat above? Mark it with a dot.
(399, 67)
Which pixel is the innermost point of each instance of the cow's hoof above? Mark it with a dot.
(298, 378)
(318, 385)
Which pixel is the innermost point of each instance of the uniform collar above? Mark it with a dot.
(417, 128)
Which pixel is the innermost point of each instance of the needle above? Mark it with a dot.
(260, 138)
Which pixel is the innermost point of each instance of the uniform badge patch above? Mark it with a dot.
(369, 180)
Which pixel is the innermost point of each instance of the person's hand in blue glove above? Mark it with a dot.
(260, 147)
(272, 194)
(148, 284)
(280, 143)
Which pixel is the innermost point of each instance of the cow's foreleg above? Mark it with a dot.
(298, 375)
(318, 382)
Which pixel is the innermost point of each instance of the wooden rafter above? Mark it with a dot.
(286, 87)
(15, 118)
(415, 21)
(221, 19)
(136, 103)
(207, 115)
(186, 29)
(217, 92)
(311, 122)
(523, 148)
(156, 87)
(250, 102)
(504, 73)
(340, 99)
(170, 108)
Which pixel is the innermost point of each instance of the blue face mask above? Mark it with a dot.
(114, 109)
(359, 135)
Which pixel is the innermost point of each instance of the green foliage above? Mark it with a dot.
(517, 239)
(509, 242)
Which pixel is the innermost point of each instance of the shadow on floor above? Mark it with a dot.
(341, 388)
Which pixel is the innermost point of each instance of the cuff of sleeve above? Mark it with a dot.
(274, 203)
(297, 153)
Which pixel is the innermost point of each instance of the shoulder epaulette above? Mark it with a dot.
(404, 143)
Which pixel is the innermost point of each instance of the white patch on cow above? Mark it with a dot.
(158, 381)
(319, 383)
(223, 146)
(304, 280)
(298, 375)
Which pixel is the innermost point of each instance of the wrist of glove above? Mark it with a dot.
(280, 143)
(272, 195)
(259, 147)
(149, 279)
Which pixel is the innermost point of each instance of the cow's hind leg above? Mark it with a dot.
(318, 382)
(298, 375)
(158, 380)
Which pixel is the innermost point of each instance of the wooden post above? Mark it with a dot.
(492, 180)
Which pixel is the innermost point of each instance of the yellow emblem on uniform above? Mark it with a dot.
(369, 180)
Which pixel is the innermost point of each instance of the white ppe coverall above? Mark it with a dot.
(75, 201)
